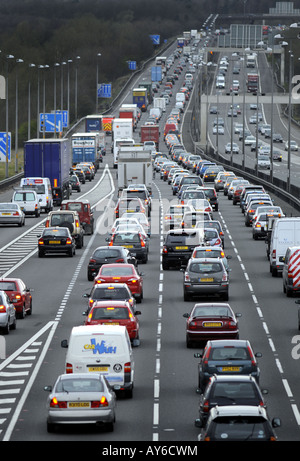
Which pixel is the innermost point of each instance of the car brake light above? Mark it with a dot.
(69, 241)
(121, 260)
(57, 404)
(16, 213)
(47, 223)
(274, 254)
(207, 355)
(132, 280)
(165, 249)
(186, 277)
(77, 224)
(224, 278)
(218, 242)
(2, 308)
(41, 242)
(99, 403)
(92, 260)
(251, 356)
(206, 406)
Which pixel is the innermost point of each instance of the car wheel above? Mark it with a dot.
(90, 277)
(165, 266)
(186, 296)
(41, 254)
(225, 296)
(22, 314)
(14, 324)
(6, 329)
(71, 252)
(29, 312)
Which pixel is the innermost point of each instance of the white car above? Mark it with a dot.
(250, 140)
(11, 213)
(263, 161)
(218, 129)
(294, 146)
(235, 148)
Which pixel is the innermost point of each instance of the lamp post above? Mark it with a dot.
(54, 101)
(76, 86)
(291, 58)
(68, 88)
(8, 57)
(97, 75)
(38, 102)
(18, 61)
(44, 99)
(31, 66)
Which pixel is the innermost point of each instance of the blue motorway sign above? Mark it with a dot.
(50, 120)
(65, 117)
(155, 39)
(132, 65)
(3, 147)
(104, 90)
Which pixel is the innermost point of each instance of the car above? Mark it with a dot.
(210, 321)
(81, 398)
(293, 144)
(211, 252)
(8, 315)
(277, 137)
(115, 313)
(243, 134)
(260, 224)
(71, 220)
(205, 277)
(19, 295)
(230, 390)
(142, 220)
(173, 217)
(238, 423)
(122, 273)
(75, 182)
(56, 240)
(277, 156)
(249, 140)
(213, 110)
(80, 174)
(11, 213)
(133, 241)
(250, 210)
(211, 196)
(220, 179)
(129, 205)
(253, 119)
(218, 129)
(263, 161)
(85, 213)
(211, 173)
(109, 291)
(28, 201)
(186, 194)
(108, 255)
(234, 148)
(227, 356)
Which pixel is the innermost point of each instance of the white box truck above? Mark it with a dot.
(134, 167)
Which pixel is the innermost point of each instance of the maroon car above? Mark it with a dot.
(18, 294)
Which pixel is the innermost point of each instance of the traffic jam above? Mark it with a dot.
(232, 404)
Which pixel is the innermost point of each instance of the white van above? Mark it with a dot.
(285, 234)
(103, 349)
(28, 201)
(180, 97)
(220, 82)
(42, 186)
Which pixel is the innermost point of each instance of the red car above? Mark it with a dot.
(211, 321)
(122, 273)
(18, 294)
(115, 313)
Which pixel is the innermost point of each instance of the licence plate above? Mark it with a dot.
(181, 248)
(128, 246)
(230, 368)
(54, 242)
(206, 280)
(97, 369)
(212, 324)
(79, 404)
(111, 323)
(6, 214)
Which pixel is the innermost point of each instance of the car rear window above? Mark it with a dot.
(72, 206)
(106, 253)
(110, 293)
(102, 313)
(228, 353)
(182, 238)
(80, 385)
(116, 271)
(127, 237)
(8, 286)
(55, 232)
(211, 311)
(207, 254)
(234, 390)
(205, 267)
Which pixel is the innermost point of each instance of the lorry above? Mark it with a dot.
(252, 82)
(150, 133)
(93, 123)
(134, 167)
(86, 148)
(148, 85)
(140, 98)
(160, 102)
(122, 128)
(135, 113)
(250, 60)
(127, 113)
(117, 143)
(50, 158)
(107, 122)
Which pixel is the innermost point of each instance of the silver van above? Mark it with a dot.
(28, 201)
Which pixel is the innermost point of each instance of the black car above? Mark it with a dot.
(229, 390)
(178, 247)
(56, 240)
(134, 242)
(227, 357)
(112, 292)
(212, 197)
(80, 174)
(75, 182)
(107, 255)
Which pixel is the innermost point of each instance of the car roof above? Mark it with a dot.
(229, 342)
(110, 303)
(238, 410)
(233, 378)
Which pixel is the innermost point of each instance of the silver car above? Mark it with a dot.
(81, 398)
(8, 316)
(11, 213)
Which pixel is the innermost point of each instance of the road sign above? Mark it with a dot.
(104, 90)
(65, 117)
(3, 147)
(132, 65)
(155, 39)
(50, 120)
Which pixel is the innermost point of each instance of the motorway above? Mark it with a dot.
(164, 404)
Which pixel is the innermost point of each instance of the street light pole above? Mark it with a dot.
(17, 118)
(97, 82)
(10, 56)
(29, 103)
